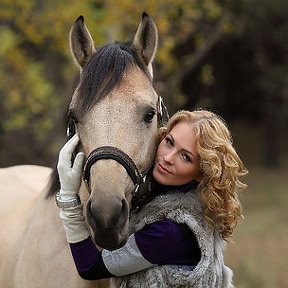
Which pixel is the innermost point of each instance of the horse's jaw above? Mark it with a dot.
(111, 240)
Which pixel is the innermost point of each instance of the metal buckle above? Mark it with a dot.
(162, 111)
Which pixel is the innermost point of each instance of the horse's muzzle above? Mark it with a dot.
(109, 220)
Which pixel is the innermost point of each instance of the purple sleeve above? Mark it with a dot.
(88, 260)
(163, 242)
(167, 242)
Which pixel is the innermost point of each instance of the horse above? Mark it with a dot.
(115, 110)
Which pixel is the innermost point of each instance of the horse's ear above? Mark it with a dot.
(146, 40)
(81, 42)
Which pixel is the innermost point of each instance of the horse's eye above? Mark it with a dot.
(149, 116)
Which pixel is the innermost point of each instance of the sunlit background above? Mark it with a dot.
(227, 56)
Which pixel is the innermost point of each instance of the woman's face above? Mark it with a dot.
(176, 158)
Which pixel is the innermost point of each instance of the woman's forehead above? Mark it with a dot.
(184, 134)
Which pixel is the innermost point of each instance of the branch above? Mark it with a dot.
(193, 60)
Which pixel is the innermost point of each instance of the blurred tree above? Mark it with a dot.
(245, 74)
(265, 26)
(35, 71)
(224, 55)
(35, 67)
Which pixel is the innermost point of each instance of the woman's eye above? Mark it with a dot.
(186, 158)
(169, 141)
(149, 116)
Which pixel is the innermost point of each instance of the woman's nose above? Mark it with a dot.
(169, 157)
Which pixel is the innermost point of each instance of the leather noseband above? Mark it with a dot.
(109, 152)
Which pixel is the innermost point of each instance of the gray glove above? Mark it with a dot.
(70, 176)
(70, 181)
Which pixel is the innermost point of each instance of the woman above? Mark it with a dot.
(177, 236)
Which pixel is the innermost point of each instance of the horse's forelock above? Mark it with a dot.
(104, 72)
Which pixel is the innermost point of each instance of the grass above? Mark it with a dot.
(259, 256)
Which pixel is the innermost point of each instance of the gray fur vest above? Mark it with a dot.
(209, 272)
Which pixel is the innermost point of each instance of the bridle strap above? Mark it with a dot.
(162, 111)
(109, 152)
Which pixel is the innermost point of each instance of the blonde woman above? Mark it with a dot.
(179, 229)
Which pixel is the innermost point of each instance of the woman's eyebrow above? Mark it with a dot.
(170, 135)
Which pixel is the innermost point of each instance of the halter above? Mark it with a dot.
(110, 152)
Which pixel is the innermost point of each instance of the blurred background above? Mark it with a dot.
(227, 56)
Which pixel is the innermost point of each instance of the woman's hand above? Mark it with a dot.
(71, 211)
(70, 173)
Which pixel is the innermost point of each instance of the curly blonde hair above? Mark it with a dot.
(220, 166)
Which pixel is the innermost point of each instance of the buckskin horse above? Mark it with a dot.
(115, 110)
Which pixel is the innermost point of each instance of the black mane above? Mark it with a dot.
(104, 71)
(99, 77)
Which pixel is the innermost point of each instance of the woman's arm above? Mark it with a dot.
(88, 260)
(160, 243)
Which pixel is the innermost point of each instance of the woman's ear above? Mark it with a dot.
(199, 177)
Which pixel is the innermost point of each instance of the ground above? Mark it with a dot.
(259, 255)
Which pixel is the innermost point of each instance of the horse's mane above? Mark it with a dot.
(99, 77)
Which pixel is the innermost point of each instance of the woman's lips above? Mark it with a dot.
(162, 169)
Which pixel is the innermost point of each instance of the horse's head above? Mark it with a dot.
(114, 104)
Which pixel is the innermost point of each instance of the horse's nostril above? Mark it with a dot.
(106, 212)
